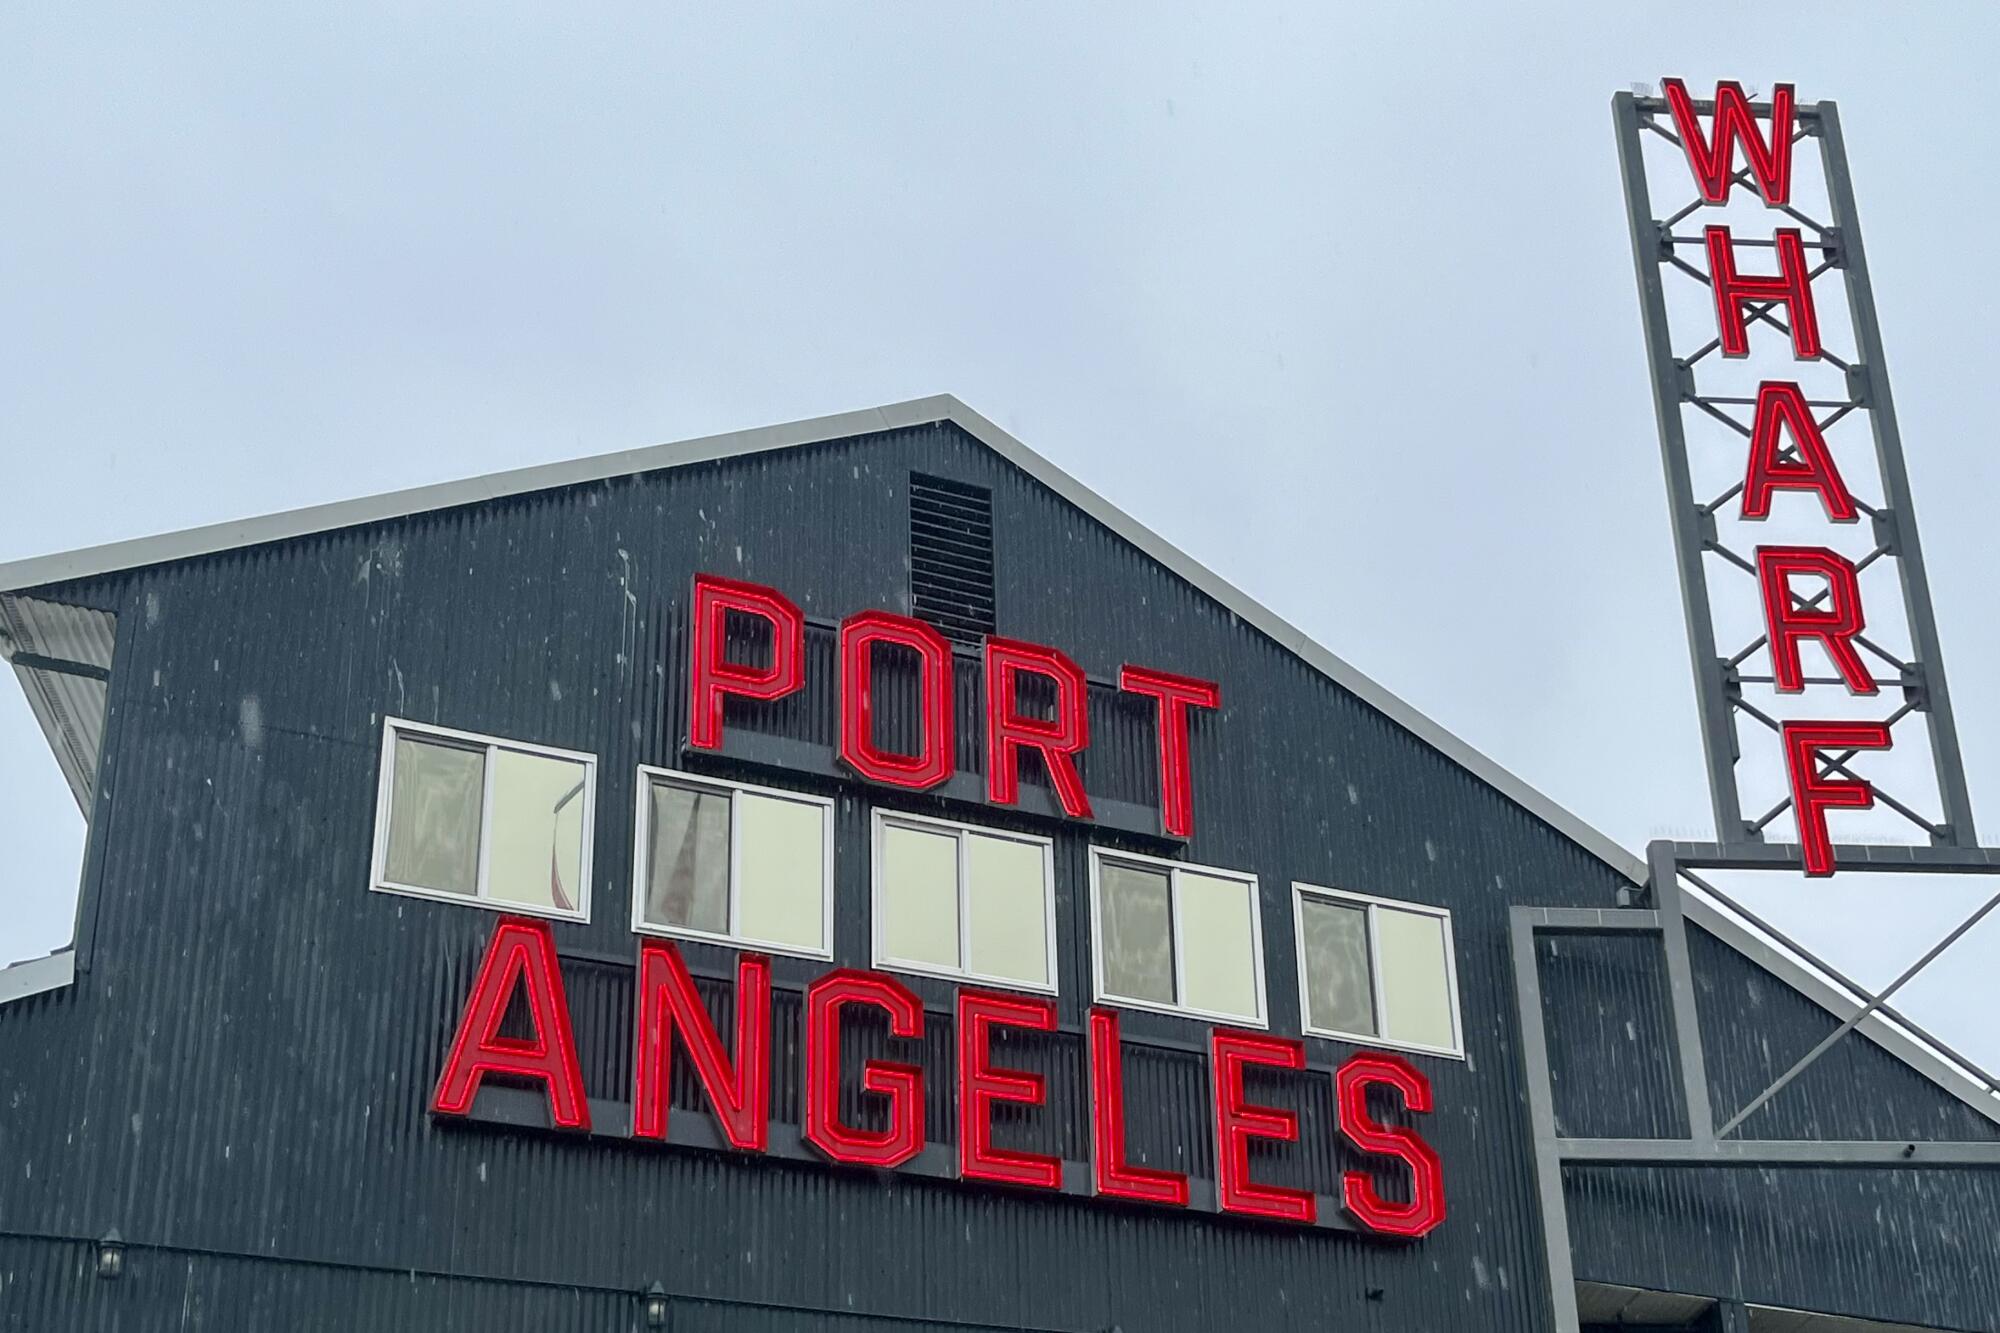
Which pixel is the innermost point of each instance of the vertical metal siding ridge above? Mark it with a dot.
(1909, 1245)
(1607, 1014)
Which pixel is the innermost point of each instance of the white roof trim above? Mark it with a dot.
(21, 575)
(20, 980)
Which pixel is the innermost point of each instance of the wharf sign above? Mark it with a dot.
(520, 970)
(1809, 594)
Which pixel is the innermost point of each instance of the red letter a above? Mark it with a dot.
(522, 951)
(1782, 409)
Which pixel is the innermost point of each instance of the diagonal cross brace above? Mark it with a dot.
(1875, 1003)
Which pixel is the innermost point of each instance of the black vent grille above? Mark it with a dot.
(951, 556)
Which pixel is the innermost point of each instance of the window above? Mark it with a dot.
(480, 820)
(1180, 938)
(1375, 970)
(733, 864)
(956, 901)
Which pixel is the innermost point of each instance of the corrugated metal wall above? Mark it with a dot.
(1911, 1245)
(243, 1070)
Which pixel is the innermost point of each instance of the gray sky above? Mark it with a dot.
(1339, 301)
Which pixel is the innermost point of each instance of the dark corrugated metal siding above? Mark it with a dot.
(1907, 1246)
(1915, 1245)
(1612, 1059)
(1756, 1028)
(1606, 1009)
(244, 1068)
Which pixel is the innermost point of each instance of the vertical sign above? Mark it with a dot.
(1811, 714)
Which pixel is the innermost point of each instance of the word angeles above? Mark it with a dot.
(670, 1015)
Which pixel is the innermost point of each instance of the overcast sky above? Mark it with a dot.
(1339, 299)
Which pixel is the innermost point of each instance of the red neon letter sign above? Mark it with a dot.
(980, 1084)
(1008, 732)
(1237, 1121)
(1790, 286)
(1713, 160)
(932, 763)
(1813, 795)
(1176, 694)
(1781, 404)
(521, 951)
(712, 675)
(1788, 622)
(668, 1001)
(1116, 1177)
(902, 1084)
(1426, 1206)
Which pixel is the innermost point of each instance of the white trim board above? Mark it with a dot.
(20, 980)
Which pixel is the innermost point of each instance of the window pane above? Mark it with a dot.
(1218, 960)
(535, 855)
(781, 856)
(1008, 902)
(434, 816)
(1334, 940)
(1416, 994)
(919, 896)
(687, 865)
(1136, 933)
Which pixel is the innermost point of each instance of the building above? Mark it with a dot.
(847, 876)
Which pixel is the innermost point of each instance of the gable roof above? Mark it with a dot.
(1780, 956)
(21, 575)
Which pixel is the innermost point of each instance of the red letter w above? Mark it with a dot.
(1770, 161)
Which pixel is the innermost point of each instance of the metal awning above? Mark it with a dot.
(62, 655)
(1638, 1309)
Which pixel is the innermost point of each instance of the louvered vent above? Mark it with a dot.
(951, 556)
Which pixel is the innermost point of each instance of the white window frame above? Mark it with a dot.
(1174, 869)
(1372, 904)
(378, 879)
(879, 952)
(641, 833)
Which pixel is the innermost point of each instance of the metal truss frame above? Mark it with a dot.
(1719, 677)
(1709, 1144)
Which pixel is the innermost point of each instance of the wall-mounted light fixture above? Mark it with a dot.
(656, 1306)
(111, 1255)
